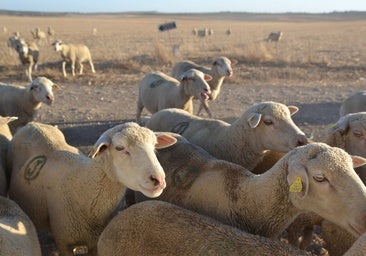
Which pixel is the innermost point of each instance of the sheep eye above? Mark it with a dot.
(120, 148)
(357, 134)
(267, 122)
(319, 178)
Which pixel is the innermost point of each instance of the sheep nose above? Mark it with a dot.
(50, 97)
(229, 73)
(156, 181)
(302, 141)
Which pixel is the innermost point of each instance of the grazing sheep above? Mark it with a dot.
(24, 102)
(221, 68)
(202, 32)
(28, 55)
(266, 204)
(5, 137)
(73, 53)
(158, 91)
(264, 126)
(274, 36)
(159, 228)
(354, 103)
(18, 236)
(39, 35)
(72, 195)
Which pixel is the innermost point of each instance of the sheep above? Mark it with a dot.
(274, 36)
(28, 55)
(72, 195)
(264, 126)
(266, 204)
(5, 137)
(161, 228)
(5, 30)
(39, 35)
(94, 31)
(18, 236)
(354, 103)
(228, 32)
(221, 68)
(202, 32)
(25, 102)
(194, 31)
(51, 32)
(74, 53)
(158, 91)
(349, 134)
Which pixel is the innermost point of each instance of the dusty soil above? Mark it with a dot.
(320, 61)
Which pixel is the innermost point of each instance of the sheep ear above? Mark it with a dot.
(293, 109)
(164, 140)
(254, 119)
(207, 77)
(358, 161)
(7, 119)
(101, 145)
(234, 61)
(297, 179)
(55, 87)
(340, 126)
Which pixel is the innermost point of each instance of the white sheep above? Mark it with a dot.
(349, 134)
(73, 53)
(304, 180)
(28, 55)
(18, 236)
(274, 36)
(72, 195)
(24, 102)
(161, 228)
(264, 126)
(354, 103)
(194, 31)
(51, 32)
(5, 137)
(158, 91)
(221, 68)
(39, 35)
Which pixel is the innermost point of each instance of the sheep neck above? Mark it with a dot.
(271, 210)
(215, 85)
(30, 105)
(238, 137)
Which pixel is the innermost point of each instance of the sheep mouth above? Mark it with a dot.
(151, 192)
(204, 96)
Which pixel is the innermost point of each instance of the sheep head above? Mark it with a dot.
(321, 179)
(42, 90)
(131, 151)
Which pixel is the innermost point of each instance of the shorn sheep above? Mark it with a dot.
(160, 228)
(5, 137)
(23, 102)
(303, 180)
(349, 134)
(18, 236)
(274, 36)
(354, 103)
(28, 55)
(158, 91)
(221, 68)
(264, 126)
(72, 195)
(73, 53)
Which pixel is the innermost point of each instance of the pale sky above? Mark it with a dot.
(185, 6)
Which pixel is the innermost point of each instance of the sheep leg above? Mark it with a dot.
(91, 66)
(81, 68)
(204, 104)
(73, 68)
(28, 72)
(140, 107)
(64, 68)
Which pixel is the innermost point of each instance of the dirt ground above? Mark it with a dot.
(319, 62)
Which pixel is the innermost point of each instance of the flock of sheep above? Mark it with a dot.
(29, 52)
(221, 189)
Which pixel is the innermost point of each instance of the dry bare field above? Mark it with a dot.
(320, 61)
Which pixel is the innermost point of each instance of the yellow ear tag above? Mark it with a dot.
(296, 186)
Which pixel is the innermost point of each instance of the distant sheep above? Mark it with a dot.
(94, 31)
(39, 35)
(354, 103)
(28, 55)
(24, 102)
(274, 36)
(194, 31)
(221, 68)
(160, 228)
(18, 236)
(158, 91)
(202, 32)
(51, 32)
(264, 126)
(228, 32)
(5, 137)
(73, 53)
(266, 204)
(5, 30)
(73, 195)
